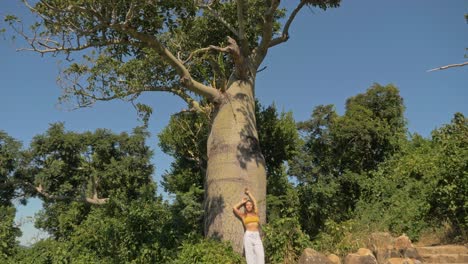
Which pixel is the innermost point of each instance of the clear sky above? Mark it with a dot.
(330, 56)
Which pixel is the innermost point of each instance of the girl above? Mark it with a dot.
(253, 246)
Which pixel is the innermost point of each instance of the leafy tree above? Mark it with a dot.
(450, 198)
(423, 186)
(209, 49)
(99, 198)
(395, 196)
(8, 232)
(10, 158)
(339, 150)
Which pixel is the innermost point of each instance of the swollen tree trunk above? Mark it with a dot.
(234, 163)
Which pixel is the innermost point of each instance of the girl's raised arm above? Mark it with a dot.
(236, 207)
(252, 198)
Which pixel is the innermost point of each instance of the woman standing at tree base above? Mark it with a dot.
(253, 246)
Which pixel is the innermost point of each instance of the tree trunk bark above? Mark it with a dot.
(235, 162)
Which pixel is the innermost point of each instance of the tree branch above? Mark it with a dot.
(449, 66)
(94, 200)
(260, 52)
(185, 78)
(149, 40)
(244, 45)
(285, 35)
(239, 60)
(78, 89)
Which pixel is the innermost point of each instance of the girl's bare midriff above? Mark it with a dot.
(251, 227)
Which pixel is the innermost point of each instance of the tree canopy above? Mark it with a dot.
(129, 47)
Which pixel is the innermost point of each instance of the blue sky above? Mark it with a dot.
(331, 56)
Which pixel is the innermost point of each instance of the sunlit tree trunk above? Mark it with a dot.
(235, 162)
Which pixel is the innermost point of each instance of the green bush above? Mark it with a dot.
(208, 252)
(340, 238)
(284, 240)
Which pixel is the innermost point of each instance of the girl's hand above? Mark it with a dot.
(244, 200)
(247, 191)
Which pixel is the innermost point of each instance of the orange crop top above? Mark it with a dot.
(251, 219)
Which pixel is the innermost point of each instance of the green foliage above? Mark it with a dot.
(340, 238)
(280, 142)
(50, 251)
(278, 136)
(8, 232)
(423, 186)
(394, 198)
(125, 233)
(284, 241)
(10, 158)
(115, 233)
(129, 228)
(358, 174)
(184, 138)
(338, 151)
(450, 197)
(371, 129)
(207, 252)
(320, 201)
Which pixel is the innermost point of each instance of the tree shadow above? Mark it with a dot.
(249, 148)
(213, 207)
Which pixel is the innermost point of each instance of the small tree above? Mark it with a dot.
(338, 150)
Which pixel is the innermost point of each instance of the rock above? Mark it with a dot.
(384, 247)
(402, 243)
(380, 240)
(399, 261)
(364, 252)
(443, 254)
(412, 253)
(334, 259)
(358, 259)
(310, 256)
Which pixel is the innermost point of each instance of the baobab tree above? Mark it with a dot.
(207, 52)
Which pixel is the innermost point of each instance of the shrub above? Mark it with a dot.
(284, 240)
(208, 252)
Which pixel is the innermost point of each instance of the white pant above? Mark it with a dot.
(253, 248)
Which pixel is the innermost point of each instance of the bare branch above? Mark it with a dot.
(285, 35)
(62, 48)
(134, 92)
(449, 66)
(195, 52)
(130, 92)
(260, 52)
